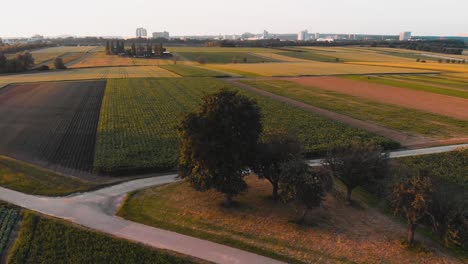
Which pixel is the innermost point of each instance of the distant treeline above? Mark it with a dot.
(7, 48)
(94, 41)
(148, 49)
(19, 63)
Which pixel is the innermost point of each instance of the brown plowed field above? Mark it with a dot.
(51, 124)
(429, 102)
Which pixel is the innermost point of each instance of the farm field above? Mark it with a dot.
(424, 85)
(386, 92)
(88, 74)
(138, 119)
(223, 57)
(46, 240)
(23, 177)
(186, 70)
(339, 100)
(353, 54)
(433, 66)
(100, 59)
(309, 68)
(43, 55)
(340, 234)
(51, 124)
(8, 220)
(442, 81)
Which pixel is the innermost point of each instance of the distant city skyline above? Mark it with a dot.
(209, 17)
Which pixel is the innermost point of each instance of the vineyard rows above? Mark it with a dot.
(137, 127)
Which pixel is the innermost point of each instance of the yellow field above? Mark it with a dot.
(356, 54)
(455, 56)
(60, 50)
(435, 66)
(88, 73)
(278, 57)
(309, 68)
(100, 59)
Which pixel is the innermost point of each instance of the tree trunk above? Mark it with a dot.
(348, 195)
(411, 230)
(275, 191)
(227, 200)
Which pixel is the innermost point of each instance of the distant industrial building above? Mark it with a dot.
(36, 38)
(163, 34)
(265, 35)
(405, 36)
(303, 35)
(141, 33)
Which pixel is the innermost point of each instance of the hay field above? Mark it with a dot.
(88, 74)
(100, 59)
(309, 68)
(434, 66)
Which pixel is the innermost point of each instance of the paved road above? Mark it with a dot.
(96, 210)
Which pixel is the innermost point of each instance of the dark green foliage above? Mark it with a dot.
(22, 62)
(8, 219)
(356, 163)
(411, 197)
(58, 64)
(277, 148)
(218, 143)
(301, 185)
(43, 240)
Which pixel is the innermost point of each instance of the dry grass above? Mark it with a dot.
(338, 234)
(100, 59)
(433, 66)
(309, 68)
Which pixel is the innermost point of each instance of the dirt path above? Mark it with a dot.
(404, 139)
(434, 103)
(86, 55)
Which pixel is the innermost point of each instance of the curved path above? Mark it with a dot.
(96, 210)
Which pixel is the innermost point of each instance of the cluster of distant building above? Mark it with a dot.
(304, 35)
(143, 33)
(33, 39)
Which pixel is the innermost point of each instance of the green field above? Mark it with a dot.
(193, 71)
(137, 127)
(308, 55)
(402, 83)
(22, 177)
(392, 116)
(8, 220)
(223, 57)
(45, 240)
(442, 80)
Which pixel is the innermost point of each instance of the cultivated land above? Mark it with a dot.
(100, 59)
(309, 68)
(340, 234)
(186, 70)
(380, 91)
(432, 66)
(347, 54)
(45, 240)
(391, 116)
(51, 124)
(223, 57)
(137, 128)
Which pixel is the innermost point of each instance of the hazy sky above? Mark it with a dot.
(196, 17)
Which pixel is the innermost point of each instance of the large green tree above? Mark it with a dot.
(218, 143)
(278, 147)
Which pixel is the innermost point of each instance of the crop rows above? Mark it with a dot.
(44, 240)
(8, 219)
(51, 124)
(137, 127)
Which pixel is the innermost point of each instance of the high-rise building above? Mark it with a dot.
(317, 35)
(163, 34)
(303, 35)
(405, 36)
(265, 35)
(141, 33)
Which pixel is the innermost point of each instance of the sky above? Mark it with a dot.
(23, 18)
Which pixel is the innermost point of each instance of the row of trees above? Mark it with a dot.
(220, 144)
(19, 63)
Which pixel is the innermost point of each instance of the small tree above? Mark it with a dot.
(218, 143)
(277, 148)
(356, 163)
(108, 51)
(302, 186)
(411, 197)
(58, 64)
(134, 51)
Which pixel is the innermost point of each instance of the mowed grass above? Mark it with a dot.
(193, 71)
(89, 74)
(337, 234)
(402, 83)
(22, 177)
(46, 240)
(312, 68)
(391, 116)
(223, 57)
(137, 127)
